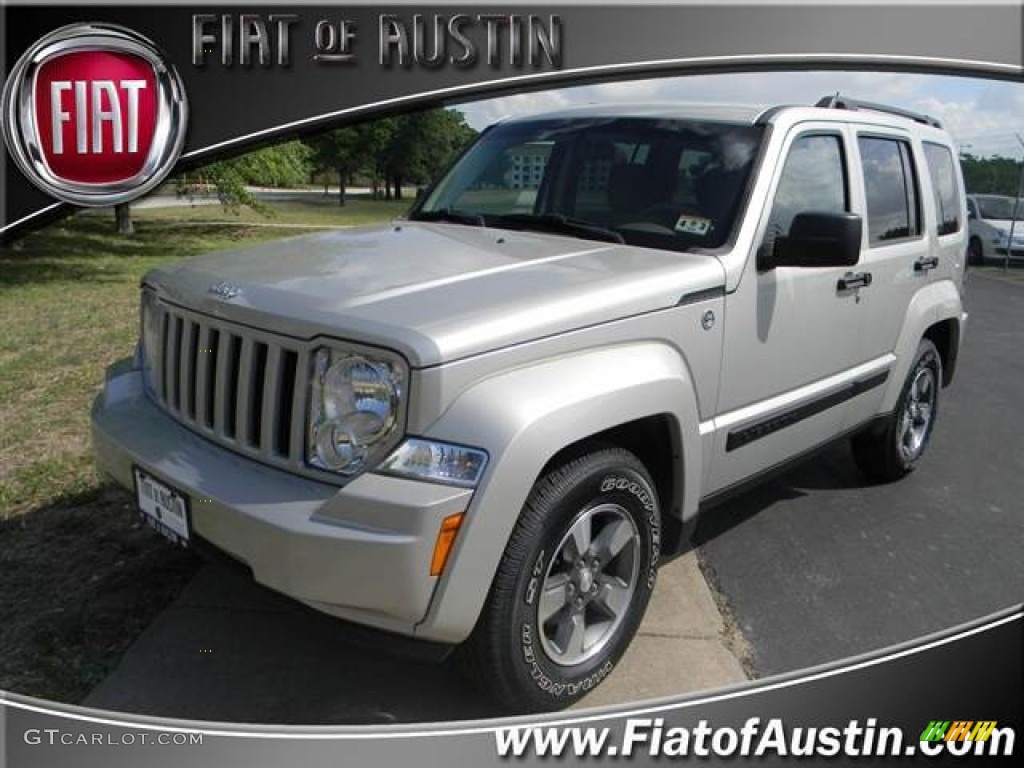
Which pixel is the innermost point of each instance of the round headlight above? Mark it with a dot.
(355, 407)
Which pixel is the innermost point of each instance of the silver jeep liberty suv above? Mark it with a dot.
(484, 425)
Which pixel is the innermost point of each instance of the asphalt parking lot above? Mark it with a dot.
(815, 566)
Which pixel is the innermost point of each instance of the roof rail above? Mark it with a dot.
(841, 102)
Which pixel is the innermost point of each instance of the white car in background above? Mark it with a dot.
(990, 219)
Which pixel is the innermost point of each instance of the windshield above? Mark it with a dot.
(673, 184)
(998, 207)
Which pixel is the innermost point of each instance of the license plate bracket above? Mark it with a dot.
(162, 507)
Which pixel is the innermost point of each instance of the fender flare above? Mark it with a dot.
(932, 304)
(523, 418)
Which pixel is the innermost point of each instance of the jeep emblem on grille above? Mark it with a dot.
(224, 290)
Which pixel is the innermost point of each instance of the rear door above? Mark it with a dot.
(897, 249)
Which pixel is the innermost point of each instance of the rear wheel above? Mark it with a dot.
(975, 255)
(572, 586)
(889, 451)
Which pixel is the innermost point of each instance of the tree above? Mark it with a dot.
(282, 165)
(123, 219)
(391, 152)
(379, 139)
(415, 147)
(991, 175)
(339, 150)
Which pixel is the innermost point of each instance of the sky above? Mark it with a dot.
(983, 115)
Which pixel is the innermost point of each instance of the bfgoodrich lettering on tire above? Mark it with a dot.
(889, 451)
(572, 585)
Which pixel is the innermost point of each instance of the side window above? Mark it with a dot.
(813, 179)
(947, 196)
(972, 209)
(891, 188)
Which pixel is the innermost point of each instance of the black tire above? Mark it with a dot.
(514, 656)
(975, 255)
(890, 450)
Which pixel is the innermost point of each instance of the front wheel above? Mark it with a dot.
(890, 451)
(572, 585)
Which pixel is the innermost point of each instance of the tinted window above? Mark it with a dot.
(510, 180)
(659, 183)
(813, 179)
(947, 197)
(891, 188)
(998, 207)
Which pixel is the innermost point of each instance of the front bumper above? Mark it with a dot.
(361, 552)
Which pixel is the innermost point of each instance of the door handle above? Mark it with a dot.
(852, 280)
(923, 265)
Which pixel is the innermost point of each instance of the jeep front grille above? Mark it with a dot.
(237, 386)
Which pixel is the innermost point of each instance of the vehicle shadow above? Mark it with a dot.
(80, 577)
(84, 582)
(95, 608)
(228, 649)
(832, 469)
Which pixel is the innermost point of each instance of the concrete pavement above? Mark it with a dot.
(230, 650)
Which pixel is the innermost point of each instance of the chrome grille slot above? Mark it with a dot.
(284, 405)
(208, 370)
(230, 391)
(237, 386)
(189, 354)
(174, 365)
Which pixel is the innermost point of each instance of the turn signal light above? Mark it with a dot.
(445, 540)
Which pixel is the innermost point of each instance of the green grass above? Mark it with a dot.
(79, 577)
(68, 307)
(315, 211)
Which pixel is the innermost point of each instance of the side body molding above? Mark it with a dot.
(525, 416)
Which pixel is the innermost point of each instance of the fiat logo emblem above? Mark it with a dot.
(93, 115)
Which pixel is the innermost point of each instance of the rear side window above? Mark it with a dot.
(891, 188)
(947, 196)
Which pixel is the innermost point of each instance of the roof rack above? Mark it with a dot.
(841, 102)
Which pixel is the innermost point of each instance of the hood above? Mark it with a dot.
(435, 292)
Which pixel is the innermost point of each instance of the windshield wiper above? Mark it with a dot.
(450, 214)
(555, 222)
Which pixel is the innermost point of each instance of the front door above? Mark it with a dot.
(792, 343)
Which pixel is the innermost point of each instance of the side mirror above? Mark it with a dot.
(819, 240)
(971, 214)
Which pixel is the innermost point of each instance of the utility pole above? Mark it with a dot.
(1016, 206)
